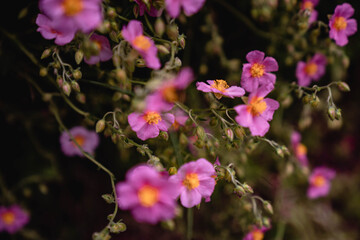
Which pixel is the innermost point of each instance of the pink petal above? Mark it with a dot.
(126, 196)
(136, 121)
(270, 64)
(255, 56)
(173, 7)
(148, 131)
(201, 86)
(234, 91)
(192, 6)
(190, 198)
(351, 27)
(167, 120)
(244, 118)
(259, 127)
(184, 78)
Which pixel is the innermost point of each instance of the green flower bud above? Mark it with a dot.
(79, 55)
(159, 26)
(75, 86)
(117, 227)
(338, 114)
(100, 126)
(164, 135)
(43, 72)
(248, 188)
(66, 88)
(268, 207)
(343, 86)
(172, 170)
(77, 74)
(200, 132)
(331, 112)
(108, 198)
(46, 53)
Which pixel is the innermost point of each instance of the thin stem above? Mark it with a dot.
(190, 223)
(280, 230)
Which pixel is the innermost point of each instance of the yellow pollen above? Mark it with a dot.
(257, 70)
(257, 235)
(8, 218)
(170, 94)
(191, 181)
(148, 195)
(308, 5)
(79, 139)
(256, 106)
(301, 150)
(319, 181)
(339, 23)
(220, 85)
(142, 42)
(152, 117)
(311, 68)
(72, 7)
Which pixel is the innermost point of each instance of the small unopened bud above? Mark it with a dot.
(81, 98)
(338, 114)
(239, 132)
(200, 132)
(177, 62)
(343, 86)
(266, 222)
(111, 12)
(229, 134)
(172, 170)
(280, 152)
(117, 227)
(108, 198)
(182, 41)
(115, 137)
(183, 139)
(268, 207)
(164, 135)
(75, 86)
(79, 55)
(100, 126)
(136, 11)
(331, 112)
(315, 102)
(229, 175)
(159, 26)
(43, 72)
(114, 36)
(66, 88)
(140, 63)
(168, 224)
(46, 53)
(199, 144)
(248, 188)
(162, 49)
(77, 74)
(59, 81)
(306, 99)
(172, 31)
(239, 190)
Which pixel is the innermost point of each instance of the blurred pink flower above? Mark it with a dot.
(133, 33)
(152, 11)
(256, 234)
(190, 7)
(299, 149)
(220, 88)
(196, 180)
(180, 118)
(310, 5)
(12, 218)
(105, 53)
(319, 181)
(314, 69)
(257, 72)
(49, 29)
(149, 195)
(257, 112)
(341, 26)
(87, 140)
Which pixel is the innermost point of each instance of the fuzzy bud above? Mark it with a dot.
(75, 86)
(120, 75)
(162, 49)
(182, 41)
(59, 81)
(81, 98)
(200, 132)
(79, 55)
(117, 227)
(239, 190)
(164, 135)
(77, 74)
(172, 31)
(315, 102)
(331, 112)
(66, 88)
(108, 198)
(46, 53)
(172, 170)
(248, 188)
(229, 134)
(343, 86)
(239, 132)
(268, 207)
(43, 72)
(100, 126)
(114, 36)
(159, 26)
(338, 114)
(111, 12)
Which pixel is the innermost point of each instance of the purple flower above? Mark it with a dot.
(133, 33)
(257, 71)
(85, 15)
(105, 53)
(152, 11)
(341, 26)
(319, 181)
(190, 7)
(299, 149)
(256, 234)
(180, 118)
(257, 112)
(12, 218)
(309, 5)
(196, 180)
(49, 29)
(220, 88)
(86, 139)
(314, 69)
(149, 195)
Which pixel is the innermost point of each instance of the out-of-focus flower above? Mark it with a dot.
(256, 234)
(299, 149)
(105, 53)
(86, 139)
(190, 7)
(50, 29)
(257, 72)
(85, 15)
(148, 194)
(310, 5)
(133, 33)
(220, 88)
(314, 69)
(12, 218)
(320, 182)
(341, 26)
(152, 11)
(180, 118)
(196, 180)
(257, 112)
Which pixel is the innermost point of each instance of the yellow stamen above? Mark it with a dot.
(170, 94)
(152, 117)
(8, 218)
(191, 181)
(308, 5)
(339, 23)
(79, 139)
(72, 7)
(257, 235)
(220, 85)
(257, 70)
(142, 42)
(176, 125)
(301, 150)
(256, 106)
(319, 181)
(148, 196)
(311, 68)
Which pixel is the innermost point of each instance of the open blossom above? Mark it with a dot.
(314, 69)
(133, 33)
(197, 180)
(152, 11)
(310, 5)
(84, 15)
(12, 218)
(299, 149)
(341, 26)
(257, 112)
(320, 182)
(256, 234)
(105, 53)
(50, 29)
(86, 139)
(257, 72)
(220, 88)
(190, 7)
(149, 195)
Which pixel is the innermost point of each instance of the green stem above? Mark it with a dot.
(280, 231)
(190, 223)
(175, 143)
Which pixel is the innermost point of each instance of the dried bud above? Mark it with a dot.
(200, 132)
(43, 72)
(331, 112)
(66, 88)
(100, 126)
(159, 26)
(343, 86)
(268, 207)
(79, 55)
(338, 114)
(75, 86)
(77, 74)
(108, 198)
(172, 170)
(229, 134)
(117, 227)
(46, 53)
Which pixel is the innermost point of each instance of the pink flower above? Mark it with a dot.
(85, 15)
(257, 71)
(170, 91)
(12, 218)
(105, 53)
(257, 112)
(190, 7)
(256, 233)
(87, 140)
(341, 26)
(314, 69)
(180, 118)
(299, 149)
(220, 88)
(319, 181)
(152, 11)
(133, 33)
(149, 195)
(310, 5)
(49, 29)
(196, 180)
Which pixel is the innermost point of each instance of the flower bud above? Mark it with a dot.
(162, 49)
(117, 227)
(177, 62)
(172, 170)
(120, 75)
(111, 12)
(168, 224)
(100, 126)
(172, 31)
(77, 74)
(248, 188)
(315, 102)
(66, 88)
(338, 114)
(136, 11)
(81, 98)
(75, 86)
(239, 132)
(43, 72)
(79, 55)
(331, 112)
(59, 81)
(159, 26)
(114, 36)
(199, 144)
(200, 132)
(140, 63)
(46, 53)
(343, 86)
(108, 198)
(268, 207)
(182, 41)
(229, 134)
(164, 135)
(306, 99)
(183, 139)
(239, 190)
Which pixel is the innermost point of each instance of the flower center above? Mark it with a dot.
(8, 218)
(301, 150)
(257, 70)
(176, 125)
(220, 85)
(256, 106)
(142, 42)
(191, 181)
(311, 68)
(308, 5)
(339, 23)
(257, 235)
(79, 139)
(319, 181)
(170, 94)
(72, 7)
(152, 117)
(148, 196)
